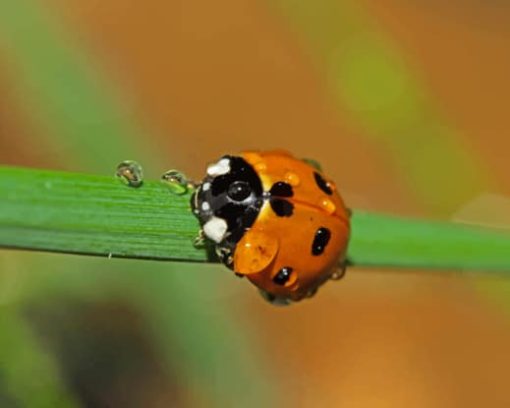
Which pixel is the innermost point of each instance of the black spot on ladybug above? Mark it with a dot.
(283, 275)
(322, 184)
(320, 241)
(281, 189)
(282, 208)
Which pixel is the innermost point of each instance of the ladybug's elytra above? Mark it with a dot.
(276, 220)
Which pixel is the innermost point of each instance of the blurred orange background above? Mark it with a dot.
(403, 103)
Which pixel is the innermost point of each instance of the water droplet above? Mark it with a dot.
(292, 178)
(177, 182)
(339, 272)
(328, 205)
(130, 173)
(336, 275)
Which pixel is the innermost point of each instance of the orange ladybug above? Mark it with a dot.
(275, 219)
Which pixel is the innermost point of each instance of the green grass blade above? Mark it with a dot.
(98, 215)
(385, 241)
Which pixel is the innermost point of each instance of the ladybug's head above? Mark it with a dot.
(228, 200)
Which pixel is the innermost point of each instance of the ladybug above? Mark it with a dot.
(275, 219)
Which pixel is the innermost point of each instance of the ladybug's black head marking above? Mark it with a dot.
(322, 184)
(228, 200)
(320, 241)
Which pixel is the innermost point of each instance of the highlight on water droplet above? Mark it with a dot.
(130, 173)
(176, 181)
(328, 205)
(292, 178)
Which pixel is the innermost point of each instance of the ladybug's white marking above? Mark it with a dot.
(219, 168)
(215, 229)
(206, 186)
(205, 206)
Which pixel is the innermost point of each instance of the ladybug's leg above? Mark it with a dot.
(200, 239)
(274, 300)
(224, 254)
(312, 292)
(201, 242)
